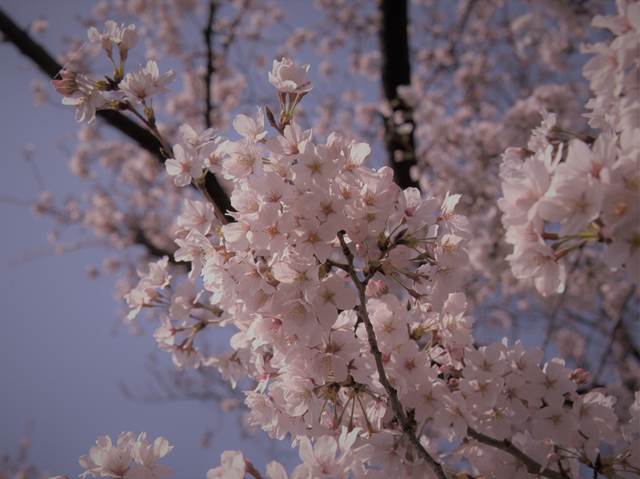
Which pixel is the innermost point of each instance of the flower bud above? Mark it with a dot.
(67, 84)
(580, 376)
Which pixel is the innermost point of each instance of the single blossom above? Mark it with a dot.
(288, 77)
(124, 38)
(80, 91)
(146, 82)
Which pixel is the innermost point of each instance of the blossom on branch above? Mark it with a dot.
(288, 77)
(124, 38)
(350, 333)
(146, 82)
(132, 457)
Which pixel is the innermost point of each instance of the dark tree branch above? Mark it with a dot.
(142, 239)
(396, 71)
(208, 76)
(626, 340)
(143, 137)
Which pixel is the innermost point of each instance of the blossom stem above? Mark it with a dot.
(392, 394)
(151, 125)
(252, 471)
(507, 446)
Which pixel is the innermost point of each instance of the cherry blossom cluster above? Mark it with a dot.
(342, 290)
(482, 71)
(131, 457)
(496, 456)
(291, 200)
(351, 337)
(118, 91)
(564, 192)
(480, 74)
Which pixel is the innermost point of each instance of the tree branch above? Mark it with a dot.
(396, 71)
(208, 76)
(507, 446)
(617, 326)
(532, 466)
(143, 137)
(142, 239)
(392, 394)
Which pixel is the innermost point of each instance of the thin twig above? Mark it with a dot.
(507, 446)
(612, 335)
(557, 307)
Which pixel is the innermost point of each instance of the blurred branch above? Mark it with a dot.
(225, 44)
(19, 466)
(507, 446)
(455, 36)
(617, 332)
(143, 137)
(558, 305)
(142, 239)
(626, 339)
(203, 384)
(396, 71)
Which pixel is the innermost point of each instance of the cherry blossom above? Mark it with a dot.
(80, 91)
(571, 201)
(351, 336)
(288, 77)
(125, 38)
(146, 82)
(131, 458)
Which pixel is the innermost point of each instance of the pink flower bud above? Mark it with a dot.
(580, 376)
(67, 84)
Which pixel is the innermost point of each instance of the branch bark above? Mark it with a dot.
(396, 71)
(143, 137)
